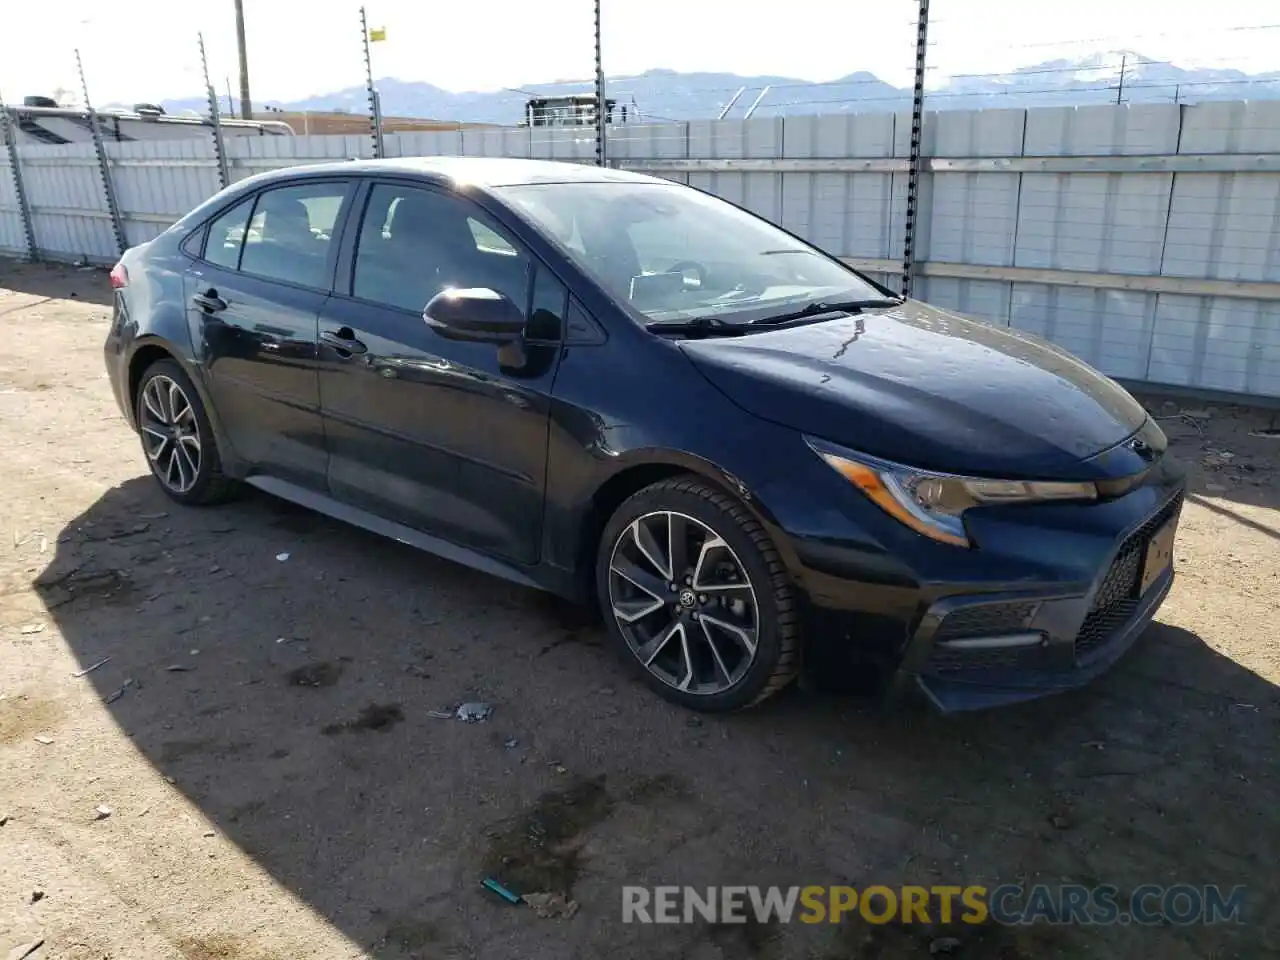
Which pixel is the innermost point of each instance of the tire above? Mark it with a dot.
(187, 465)
(738, 639)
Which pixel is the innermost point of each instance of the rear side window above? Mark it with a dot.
(226, 235)
(289, 235)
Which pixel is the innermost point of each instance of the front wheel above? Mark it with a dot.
(697, 598)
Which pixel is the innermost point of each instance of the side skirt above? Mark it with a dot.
(355, 516)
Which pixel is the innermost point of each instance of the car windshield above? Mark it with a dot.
(674, 254)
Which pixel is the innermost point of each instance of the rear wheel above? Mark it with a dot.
(697, 598)
(177, 437)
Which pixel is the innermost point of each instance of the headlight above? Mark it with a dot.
(934, 503)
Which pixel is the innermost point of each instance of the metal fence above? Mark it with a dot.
(1143, 238)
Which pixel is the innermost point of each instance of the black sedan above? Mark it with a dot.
(626, 391)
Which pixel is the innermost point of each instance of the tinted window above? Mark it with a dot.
(226, 235)
(415, 243)
(547, 307)
(289, 235)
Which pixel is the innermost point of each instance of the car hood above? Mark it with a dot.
(925, 387)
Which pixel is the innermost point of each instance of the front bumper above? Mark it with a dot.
(974, 652)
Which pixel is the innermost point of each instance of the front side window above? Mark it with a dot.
(289, 236)
(414, 243)
(672, 253)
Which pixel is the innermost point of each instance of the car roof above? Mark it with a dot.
(478, 171)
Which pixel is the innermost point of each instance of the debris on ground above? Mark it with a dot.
(551, 905)
(44, 740)
(943, 945)
(31, 628)
(322, 674)
(178, 668)
(1271, 433)
(25, 950)
(113, 697)
(511, 743)
(440, 714)
(474, 712)
(37, 896)
(4, 819)
(491, 884)
(282, 557)
(88, 670)
(102, 811)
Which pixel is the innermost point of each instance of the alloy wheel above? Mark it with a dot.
(170, 434)
(683, 602)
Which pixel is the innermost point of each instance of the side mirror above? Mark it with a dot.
(477, 314)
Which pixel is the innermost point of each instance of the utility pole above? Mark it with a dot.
(246, 105)
(602, 101)
(913, 163)
(1124, 60)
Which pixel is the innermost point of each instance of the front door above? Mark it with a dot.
(449, 438)
(254, 300)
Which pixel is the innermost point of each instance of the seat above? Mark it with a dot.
(288, 249)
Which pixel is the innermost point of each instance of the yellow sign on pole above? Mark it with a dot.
(377, 33)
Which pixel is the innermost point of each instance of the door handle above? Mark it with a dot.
(344, 341)
(209, 301)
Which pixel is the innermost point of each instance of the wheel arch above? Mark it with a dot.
(644, 467)
(146, 351)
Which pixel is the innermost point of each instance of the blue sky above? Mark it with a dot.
(146, 49)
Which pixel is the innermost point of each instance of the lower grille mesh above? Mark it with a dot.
(1117, 597)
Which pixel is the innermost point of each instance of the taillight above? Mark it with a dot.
(119, 277)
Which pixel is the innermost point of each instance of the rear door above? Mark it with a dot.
(254, 301)
(446, 437)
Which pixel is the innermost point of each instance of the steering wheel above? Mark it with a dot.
(685, 267)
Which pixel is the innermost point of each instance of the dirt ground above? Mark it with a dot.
(261, 732)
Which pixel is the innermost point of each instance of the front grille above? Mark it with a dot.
(1118, 596)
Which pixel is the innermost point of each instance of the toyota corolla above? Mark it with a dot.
(629, 392)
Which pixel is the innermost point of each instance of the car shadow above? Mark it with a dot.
(293, 677)
(55, 281)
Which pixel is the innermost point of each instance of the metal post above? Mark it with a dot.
(11, 143)
(375, 114)
(732, 100)
(913, 163)
(246, 107)
(602, 101)
(1124, 62)
(219, 151)
(755, 103)
(104, 169)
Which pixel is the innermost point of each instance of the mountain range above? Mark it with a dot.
(673, 95)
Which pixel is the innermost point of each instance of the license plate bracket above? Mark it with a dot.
(1159, 554)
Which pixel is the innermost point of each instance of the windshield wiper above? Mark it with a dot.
(697, 326)
(821, 307)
